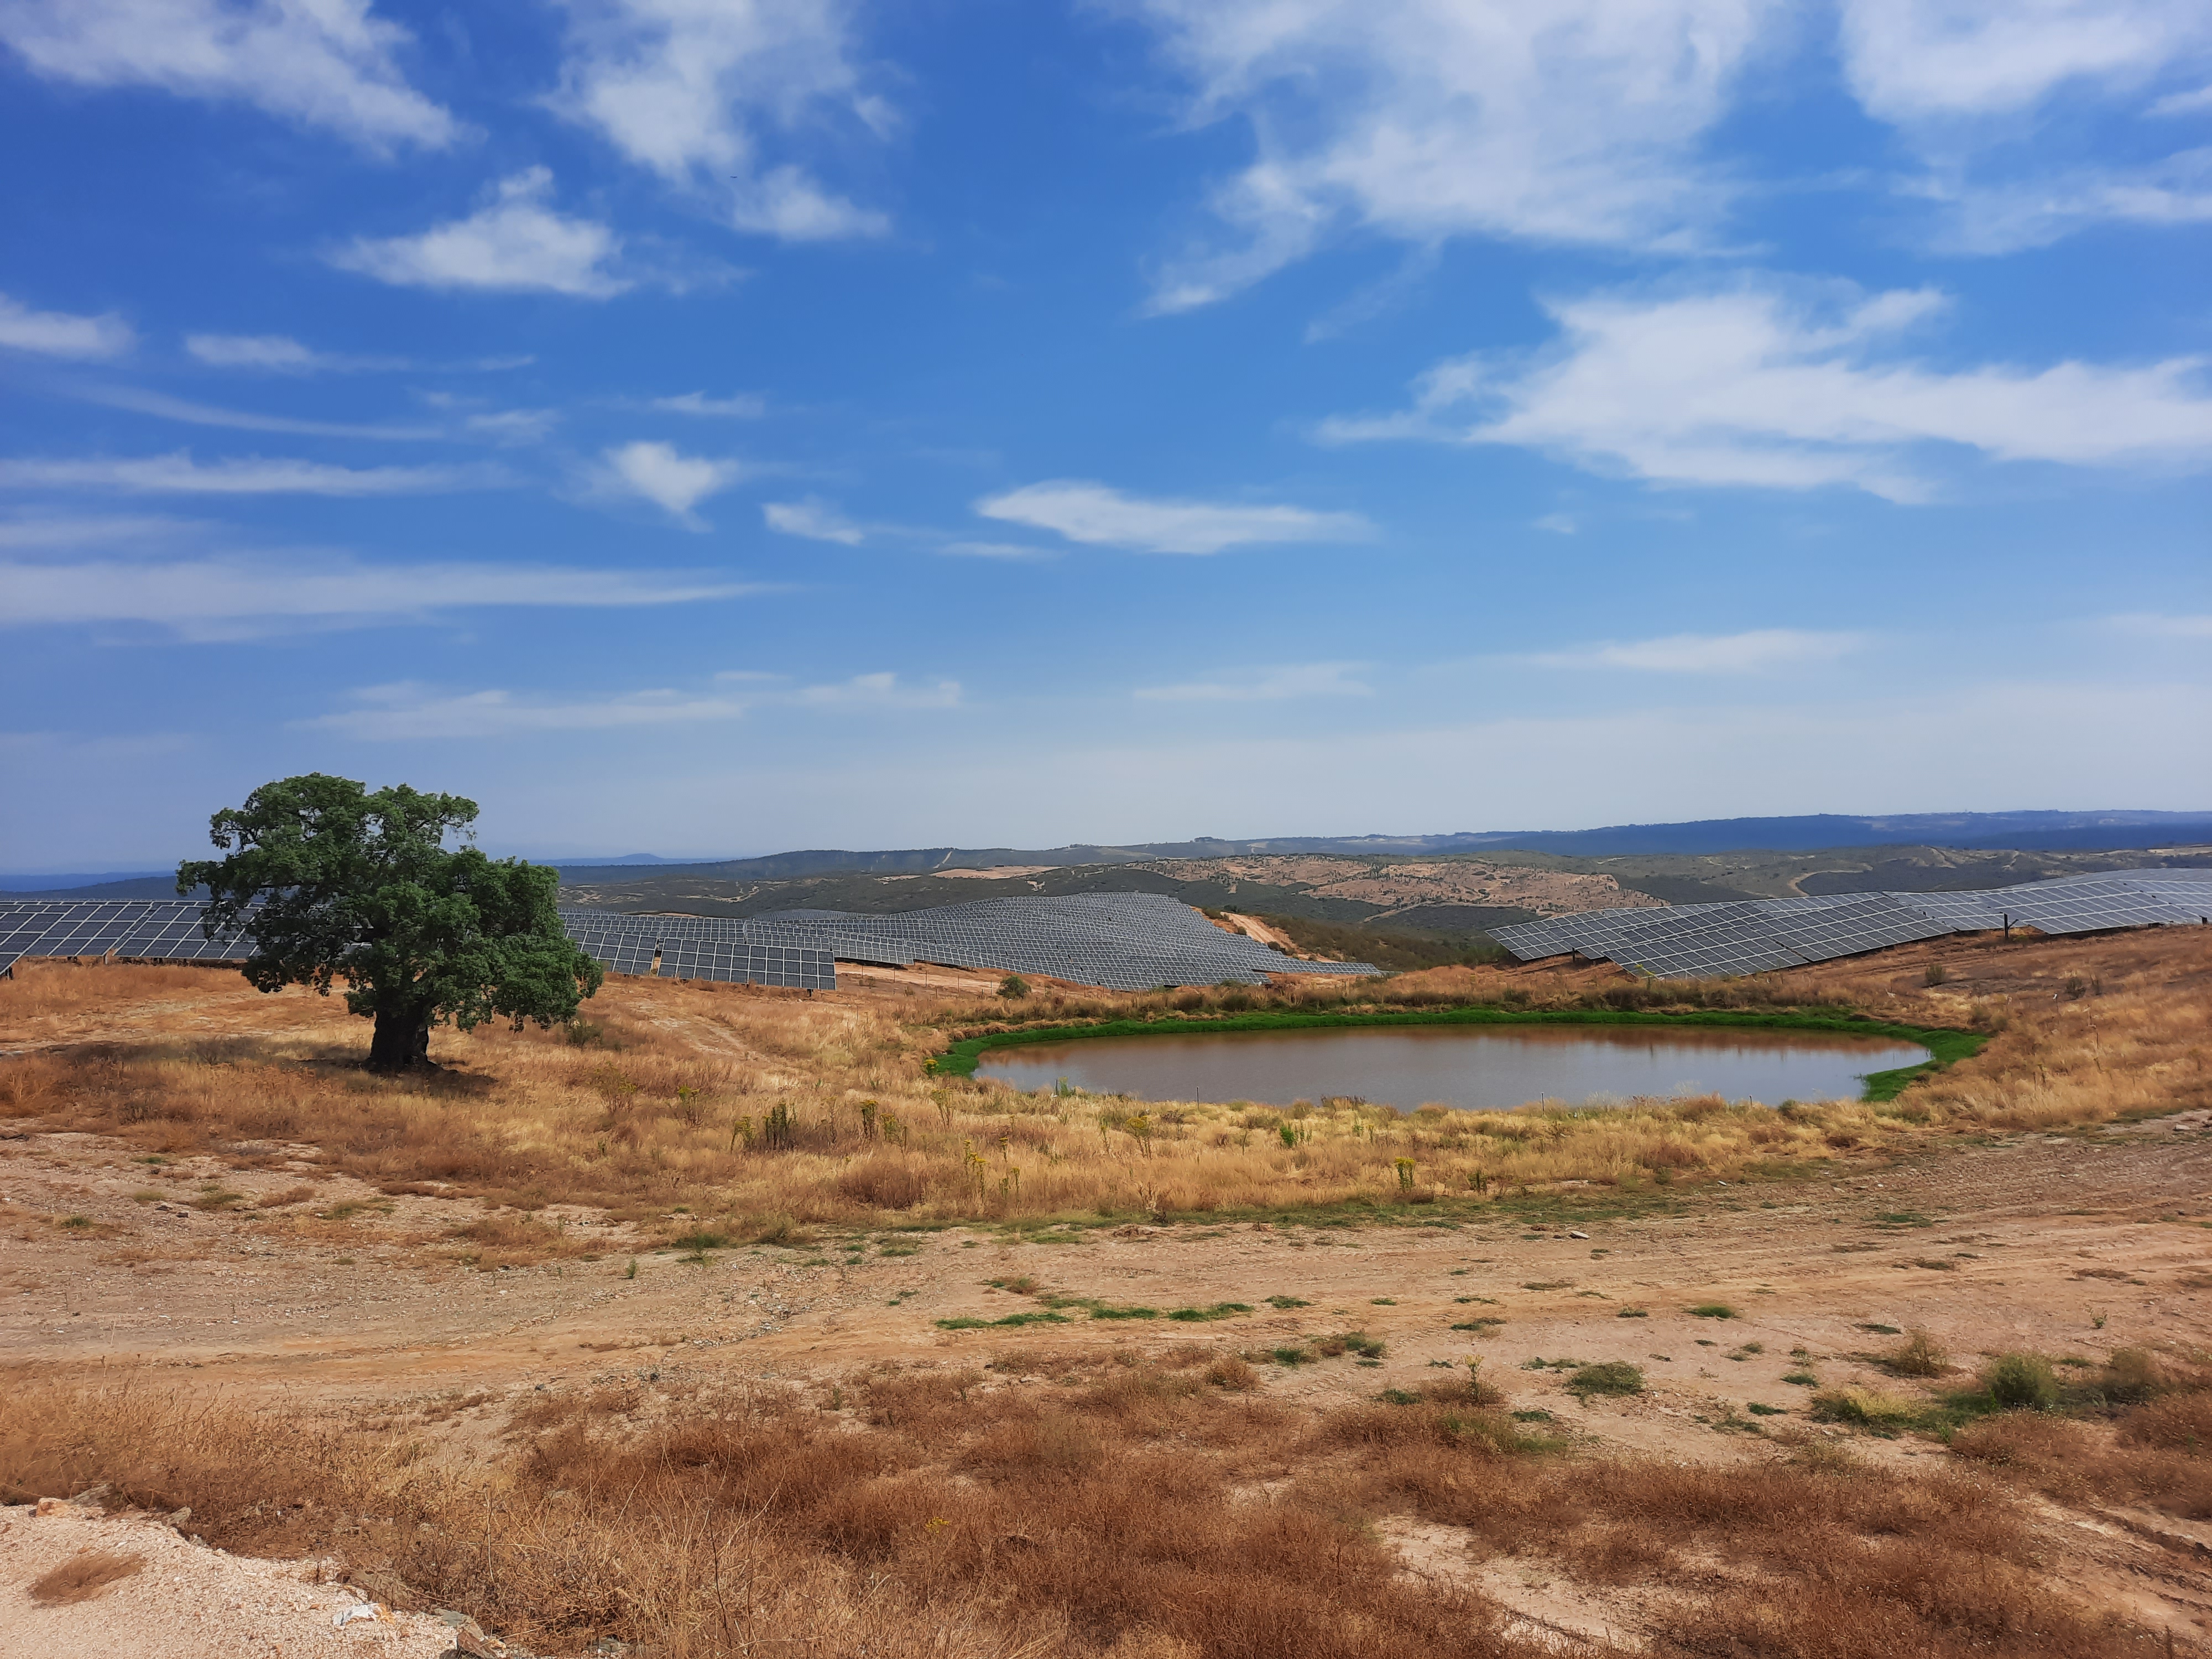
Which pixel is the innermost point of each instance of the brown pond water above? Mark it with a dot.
(1461, 1066)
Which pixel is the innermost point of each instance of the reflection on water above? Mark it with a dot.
(1461, 1066)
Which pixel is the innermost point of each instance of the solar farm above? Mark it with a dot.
(1701, 941)
(1120, 941)
(1141, 941)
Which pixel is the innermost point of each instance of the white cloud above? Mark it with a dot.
(179, 474)
(1912, 61)
(208, 598)
(1578, 122)
(60, 334)
(1101, 516)
(1967, 84)
(1757, 652)
(513, 426)
(514, 243)
(691, 90)
(1559, 523)
(744, 405)
(814, 518)
(1013, 552)
(2055, 202)
(865, 692)
(280, 353)
(269, 351)
(1763, 384)
(675, 483)
(161, 405)
(2157, 626)
(410, 710)
(324, 63)
(74, 530)
(1317, 679)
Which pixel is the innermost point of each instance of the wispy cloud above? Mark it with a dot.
(814, 518)
(1012, 552)
(695, 93)
(412, 710)
(1315, 679)
(1757, 652)
(2159, 626)
(1578, 122)
(1965, 84)
(223, 598)
(162, 406)
(59, 530)
(1790, 386)
(514, 243)
(179, 474)
(865, 692)
(328, 65)
(60, 334)
(280, 353)
(659, 473)
(744, 405)
(1099, 515)
(1910, 62)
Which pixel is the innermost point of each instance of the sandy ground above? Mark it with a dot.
(187, 1601)
(2069, 1244)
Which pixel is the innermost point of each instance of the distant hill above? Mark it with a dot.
(2110, 832)
(2105, 831)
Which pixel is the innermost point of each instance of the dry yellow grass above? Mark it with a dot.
(1106, 1507)
(741, 1107)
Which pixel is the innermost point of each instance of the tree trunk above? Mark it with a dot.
(402, 1040)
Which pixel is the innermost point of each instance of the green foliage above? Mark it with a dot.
(360, 887)
(1633, 1313)
(1607, 1376)
(2021, 1381)
(1286, 1303)
(1711, 1311)
(1013, 988)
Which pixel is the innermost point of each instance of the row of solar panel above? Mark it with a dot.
(1130, 941)
(1752, 936)
(169, 930)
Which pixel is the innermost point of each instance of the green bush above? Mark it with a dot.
(2021, 1381)
(1608, 1376)
(1711, 1311)
(1868, 1408)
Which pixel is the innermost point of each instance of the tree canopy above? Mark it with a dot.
(346, 884)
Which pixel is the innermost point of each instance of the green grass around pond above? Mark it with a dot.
(1944, 1046)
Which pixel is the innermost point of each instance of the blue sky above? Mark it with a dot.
(710, 428)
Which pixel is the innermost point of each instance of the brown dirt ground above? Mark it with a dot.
(2070, 1245)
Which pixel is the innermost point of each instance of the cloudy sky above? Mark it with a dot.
(715, 426)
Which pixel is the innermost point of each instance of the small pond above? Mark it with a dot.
(1478, 1066)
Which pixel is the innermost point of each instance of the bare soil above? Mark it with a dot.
(2071, 1244)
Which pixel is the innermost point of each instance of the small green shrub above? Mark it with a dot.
(2020, 1381)
(1866, 1408)
(1286, 1303)
(1013, 988)
(1711, 1311)
(1608, 1376)
(1803, 1379)
(1758, 1410)
(1633, 1313)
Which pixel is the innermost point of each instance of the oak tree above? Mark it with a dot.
(333, 882)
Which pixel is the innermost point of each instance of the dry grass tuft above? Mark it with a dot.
(83, 1576)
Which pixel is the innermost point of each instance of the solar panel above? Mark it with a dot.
(1752, 936)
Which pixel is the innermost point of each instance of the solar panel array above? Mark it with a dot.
(1752, 935)
(1122, 941)
(157, 930)
(168, 930)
